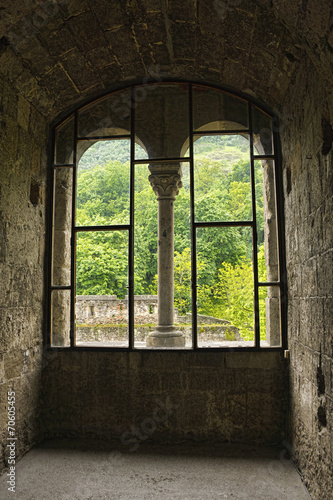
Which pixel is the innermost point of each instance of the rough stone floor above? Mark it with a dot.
(90, 470)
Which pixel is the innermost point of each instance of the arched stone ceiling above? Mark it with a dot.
(59, 53)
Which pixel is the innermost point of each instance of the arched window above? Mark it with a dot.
(165, 229)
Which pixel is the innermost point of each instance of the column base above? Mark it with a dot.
(165, 336)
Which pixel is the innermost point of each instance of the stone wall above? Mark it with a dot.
(108, 309)
(229, 396)
(22, 253)
(104, 318)
(308, 175)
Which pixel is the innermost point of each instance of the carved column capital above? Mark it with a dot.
(165, 180)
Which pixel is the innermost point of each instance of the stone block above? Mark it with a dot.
(123, 45)
(325, 274)
(87, 33)
(183, 34)
(184, 11)
(37, 128)
(58, 42)
(79, 70)
(11, 65)
(13, 365)
(31, 51)
(258, 360)
(110, 19)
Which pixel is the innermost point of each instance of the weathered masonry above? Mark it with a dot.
(59, 59)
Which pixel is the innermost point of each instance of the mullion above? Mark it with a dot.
(254, 236)
(73, 236)
(131, 230)
(280, 239)
(193, 230)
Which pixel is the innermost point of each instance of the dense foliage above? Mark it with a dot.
(222, 188)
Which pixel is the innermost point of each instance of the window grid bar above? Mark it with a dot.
(62, 165)
(224, 224)
(264, 157)
(51, 267)
(280, 239)
(165, 349)
(193, 231)
(60, 287)
(73, 239)
(254, 237)
(222, 132)
(104, 137)
(180, 159)
(269, 283)
(82, 229)
(53, 224)
(131, 230)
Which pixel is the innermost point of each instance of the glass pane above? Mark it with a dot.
(62, 226)
(101, 288)
(161, 120)
(147, 212)
(222, 178)
(145, 256)
(60, 318)
(64, 142)
(269, 314)
(217, 110)
(262, 132)
(225, 287)
(106, 117)
(103, 183)
(268, 261)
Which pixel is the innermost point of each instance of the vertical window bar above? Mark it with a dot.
(73, 236)
(131, 230)
(193, 231)
(51, 241)
(280, 230)
(254, 237)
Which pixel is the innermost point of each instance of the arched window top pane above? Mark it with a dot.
(108, 116)
(262, 132)
(162, 118)
(64, 142)
(217, 110)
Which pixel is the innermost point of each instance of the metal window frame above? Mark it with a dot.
(281, 283)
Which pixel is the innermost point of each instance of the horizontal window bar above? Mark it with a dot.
(269, 283)
(104, 137)
(182, 159)
(168, 349)
(59, 287)
(224, 224)
(222, 132)
(263, 157)
(80, 229)
(63, 165)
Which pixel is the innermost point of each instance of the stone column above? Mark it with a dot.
(166, 182)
